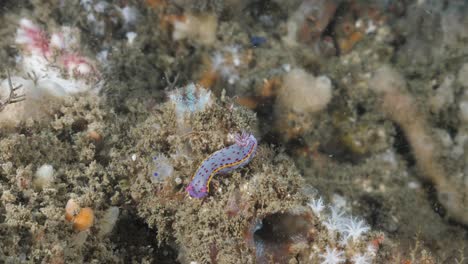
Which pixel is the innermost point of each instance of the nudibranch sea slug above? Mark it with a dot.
(222, 161)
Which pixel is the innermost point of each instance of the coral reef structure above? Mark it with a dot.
(118, 120)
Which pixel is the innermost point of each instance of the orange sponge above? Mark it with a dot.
(82, 218)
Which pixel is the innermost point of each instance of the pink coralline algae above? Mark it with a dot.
(57, 49)
(33, 38)
(222, 161)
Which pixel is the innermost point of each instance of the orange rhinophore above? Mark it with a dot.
(82, 218)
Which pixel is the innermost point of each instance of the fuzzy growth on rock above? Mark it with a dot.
(400, 107)
(301, 95)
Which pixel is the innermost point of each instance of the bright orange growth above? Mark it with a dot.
(68, 217)
(84, 220)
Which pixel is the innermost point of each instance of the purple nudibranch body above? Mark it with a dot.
(222, 161)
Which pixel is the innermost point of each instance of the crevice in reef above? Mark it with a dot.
(132, 233)
(403, 147)
(275, 233)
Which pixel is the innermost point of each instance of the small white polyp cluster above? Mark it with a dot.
(349, 230)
